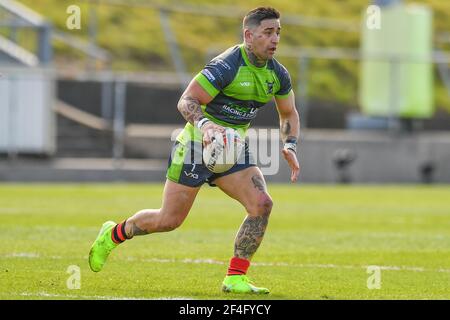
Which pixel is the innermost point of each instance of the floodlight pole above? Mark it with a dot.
(119, 122)
(302, 88)
(393, 118)
(180, 67)
(107, 97)
(93, 27)
(13, 123)
(45, 53)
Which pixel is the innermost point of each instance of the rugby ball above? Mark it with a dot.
(223, 152)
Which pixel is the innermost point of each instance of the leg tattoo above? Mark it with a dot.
(250, 236)
(136, 231)
(258, 182)
(252, 229)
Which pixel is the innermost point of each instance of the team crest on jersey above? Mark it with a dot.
(269, 86)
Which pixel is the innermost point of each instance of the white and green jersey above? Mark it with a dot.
(239, 89)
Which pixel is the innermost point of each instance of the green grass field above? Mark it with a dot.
(318, 245)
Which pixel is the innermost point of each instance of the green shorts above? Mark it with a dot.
(186, 165)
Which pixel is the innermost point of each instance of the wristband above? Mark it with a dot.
(202, 122)
(291, 146)
(291, 143)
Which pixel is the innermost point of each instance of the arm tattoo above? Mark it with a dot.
(250, 236)
(286, 128)
(286, 132)
(190, 109)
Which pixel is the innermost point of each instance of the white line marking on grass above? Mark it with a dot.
(206, 261)
(31, 255)
(261, 264)
(55, 295)
(285, 264)
(188, 261)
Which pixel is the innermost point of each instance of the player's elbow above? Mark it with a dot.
(295, 114)
(291, 113)
(181, 105)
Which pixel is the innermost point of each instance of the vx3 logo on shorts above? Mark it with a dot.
(191, 175)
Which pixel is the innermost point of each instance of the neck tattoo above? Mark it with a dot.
(253, 58)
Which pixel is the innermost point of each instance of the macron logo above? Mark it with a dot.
(245, 84)
(209, 75)
(223, 64)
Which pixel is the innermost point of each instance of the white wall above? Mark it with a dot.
(27, 123)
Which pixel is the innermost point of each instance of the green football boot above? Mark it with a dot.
(241, 284)
(102, 246)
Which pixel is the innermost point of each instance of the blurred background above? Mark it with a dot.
(88, 89)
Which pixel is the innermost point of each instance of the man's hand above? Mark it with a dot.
(208, 131)
(292, 161)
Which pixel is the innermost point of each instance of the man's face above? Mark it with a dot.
(264, 39)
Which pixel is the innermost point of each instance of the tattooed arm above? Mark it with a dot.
(189, 106)
(289, 118)
(290, 131)
(190, 102)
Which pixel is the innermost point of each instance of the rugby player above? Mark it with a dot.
(228, 92)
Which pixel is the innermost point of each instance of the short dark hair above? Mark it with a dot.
(254, 17)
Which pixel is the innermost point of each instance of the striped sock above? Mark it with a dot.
(238, 266)
(118, 234)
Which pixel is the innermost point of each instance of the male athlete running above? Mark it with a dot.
(228, 92)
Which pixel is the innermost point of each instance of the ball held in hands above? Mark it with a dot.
(223, 152)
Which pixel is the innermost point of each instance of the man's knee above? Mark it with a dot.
(262, 206)
(169, 222)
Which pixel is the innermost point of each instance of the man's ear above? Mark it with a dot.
(248, 36)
